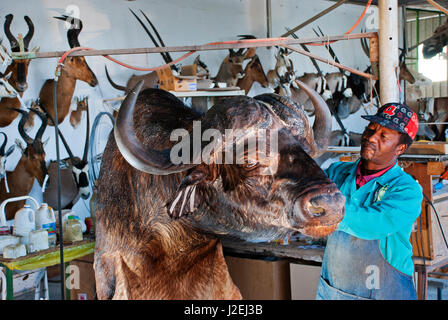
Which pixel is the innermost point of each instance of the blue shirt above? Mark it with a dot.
(383, 209)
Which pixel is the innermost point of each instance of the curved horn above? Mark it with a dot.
(167, 54)
(29, 35)
(322, 121)
(165, 57)
(113, 84)
(43, 125)
(86, 145)
(22, 121)
(137, 155)
(2, 148)
(70, 154)
(12, 40)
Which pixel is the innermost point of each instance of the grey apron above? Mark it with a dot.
(355, 269)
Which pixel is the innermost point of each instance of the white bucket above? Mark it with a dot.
(45, 218)
(38, 240)
(8, 240)
(14, 251)
(24, 221)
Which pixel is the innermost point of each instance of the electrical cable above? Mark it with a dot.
(438, 219)
(61, 236)
(421, 237)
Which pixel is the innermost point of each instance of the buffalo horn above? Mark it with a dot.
(322, 122)
(139, 156)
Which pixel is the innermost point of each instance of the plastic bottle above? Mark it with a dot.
(45, 219)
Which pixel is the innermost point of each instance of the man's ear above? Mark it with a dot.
(401, 148)
(188, 195)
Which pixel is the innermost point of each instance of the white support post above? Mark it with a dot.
(388, 50)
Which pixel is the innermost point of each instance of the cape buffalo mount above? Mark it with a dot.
(159, 223)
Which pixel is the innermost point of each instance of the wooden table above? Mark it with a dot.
(202, 100)
(429, 249)
(44, 258)
(296, 252)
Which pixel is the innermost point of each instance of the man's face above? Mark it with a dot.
(380, 146)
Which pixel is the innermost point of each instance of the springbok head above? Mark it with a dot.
(80, 167)
(201, 68)
(235, 62)
(77, 67)
(76, 115)
(4, 155)
(6, 90)
(33, 154)
(19, 68)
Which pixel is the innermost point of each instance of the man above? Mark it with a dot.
(369, 256)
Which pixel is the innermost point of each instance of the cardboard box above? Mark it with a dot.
(168, 82)
(260, 279)
(86, 290)
(304, 281)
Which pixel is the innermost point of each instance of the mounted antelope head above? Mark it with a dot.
(283, 76)
(19, 67)
(75, 68)
(435, 44)
(79, 167)
(76, 115)
(231, 68)
(201, 68)
(31, 165)
(4, 155)
(17, 71)
(253, 72)
(6, 90)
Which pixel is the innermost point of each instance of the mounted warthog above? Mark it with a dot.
(159, 220)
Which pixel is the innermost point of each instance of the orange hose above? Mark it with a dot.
(438, 6)
(65, 55)
(349, 31)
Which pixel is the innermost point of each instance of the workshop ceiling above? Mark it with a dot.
(423, 4)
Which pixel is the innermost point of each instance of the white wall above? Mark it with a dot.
(110, 25)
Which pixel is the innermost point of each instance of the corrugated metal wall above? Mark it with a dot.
(420, 26)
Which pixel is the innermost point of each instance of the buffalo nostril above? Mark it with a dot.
(315, 210)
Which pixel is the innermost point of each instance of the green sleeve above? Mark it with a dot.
(397, 209)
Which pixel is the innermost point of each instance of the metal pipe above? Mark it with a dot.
(268, 19)
(237, 44)
(388, 50)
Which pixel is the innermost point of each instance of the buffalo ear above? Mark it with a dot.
(188, 195)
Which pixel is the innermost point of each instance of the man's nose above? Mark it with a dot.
(371, 136)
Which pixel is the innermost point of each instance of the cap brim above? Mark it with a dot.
(384, 122)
